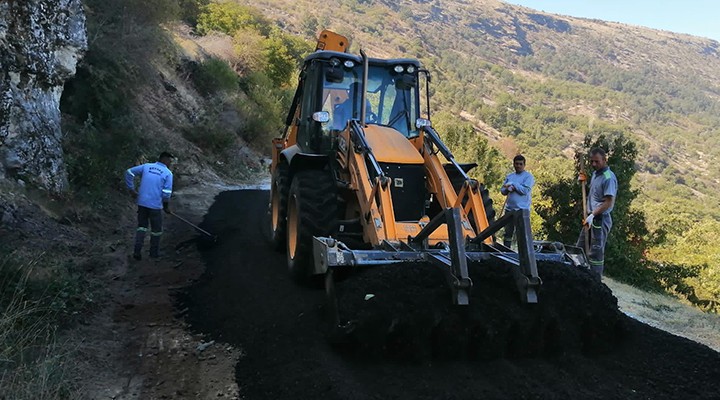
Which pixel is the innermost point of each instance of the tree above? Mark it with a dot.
(249, 45)
(283, 53)
(468, 146)
(230, 17)
(190, 10)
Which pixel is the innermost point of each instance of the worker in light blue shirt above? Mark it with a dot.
(156, 182)
(517, 187)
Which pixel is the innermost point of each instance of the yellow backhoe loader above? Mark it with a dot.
(361, 180)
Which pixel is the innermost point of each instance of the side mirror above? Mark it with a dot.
(321, 116)
(406, 81)
(334, 75)
(422, 123)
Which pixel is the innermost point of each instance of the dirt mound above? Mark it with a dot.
(405, 312)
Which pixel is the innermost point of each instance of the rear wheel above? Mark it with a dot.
(458, 182)
(312, 211)
(278, 206)
(487, 203)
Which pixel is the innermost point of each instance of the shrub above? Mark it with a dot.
(264, 110)
(210, 135)
(213, 76)
(96, 157)
(126, 38)
(230, 17)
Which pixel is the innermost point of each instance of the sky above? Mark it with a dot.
(696, 17)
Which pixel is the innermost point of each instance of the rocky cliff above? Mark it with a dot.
(41, 42)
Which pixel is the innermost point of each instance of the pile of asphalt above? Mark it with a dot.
(404, 312)
(246, 299)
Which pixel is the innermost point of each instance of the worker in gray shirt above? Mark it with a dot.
(600, 202)
(517, 188)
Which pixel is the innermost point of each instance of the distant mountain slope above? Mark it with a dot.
(552, 74)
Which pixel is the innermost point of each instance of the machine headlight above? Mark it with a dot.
(321, 116)
(334, 62)
(410, 69)
(399, 69)
(348, 64)
(422, 123)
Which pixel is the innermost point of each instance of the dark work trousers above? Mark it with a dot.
(599, 232)
(154, 218)
(509, 232)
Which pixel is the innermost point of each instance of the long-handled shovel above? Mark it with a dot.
(586, 229)
(210, 236)
(502, 212)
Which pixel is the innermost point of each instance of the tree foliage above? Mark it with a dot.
(260, 47)
(190, 10)
(468, 146)
(229, 17)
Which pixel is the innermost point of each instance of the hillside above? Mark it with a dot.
(538, 83)
(81, 318)
(660, 85)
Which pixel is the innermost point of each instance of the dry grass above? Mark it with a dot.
(33, 365)
(667, 313)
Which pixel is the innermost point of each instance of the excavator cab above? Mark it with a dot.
(391, 97)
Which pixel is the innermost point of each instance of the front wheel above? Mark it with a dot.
(278, 206)
(312, 211)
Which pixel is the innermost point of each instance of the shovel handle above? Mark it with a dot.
(586, 230)
(191, 224)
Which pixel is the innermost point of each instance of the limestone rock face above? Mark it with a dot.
(41, 42)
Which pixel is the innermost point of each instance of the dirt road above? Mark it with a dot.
(245, 298)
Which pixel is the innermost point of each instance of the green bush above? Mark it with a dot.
(229, 17)
(210, 135)
(96, 157)
(214, 76)
(264, 110)
(126, 38)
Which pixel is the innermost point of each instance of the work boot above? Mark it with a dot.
(139, 239)
(154, 246)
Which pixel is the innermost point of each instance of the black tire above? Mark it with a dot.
(487, 203)
(458, 181)
(278, 206)
(311, 211)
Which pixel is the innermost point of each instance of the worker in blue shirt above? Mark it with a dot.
(600, 203)
(517, 188)
(156, 181)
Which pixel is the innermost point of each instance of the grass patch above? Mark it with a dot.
(36, 298)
